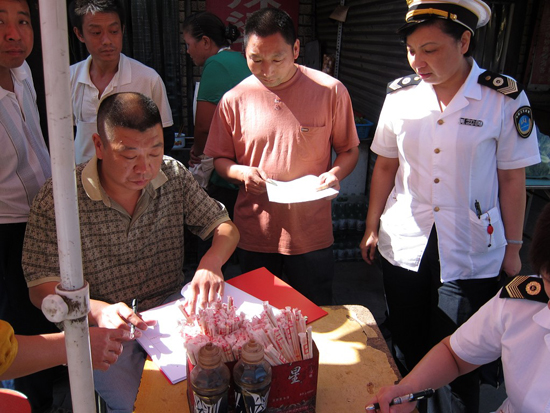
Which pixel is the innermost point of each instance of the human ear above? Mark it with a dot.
(207, 41)
(78, 34)
(98, 145)
(296, 49)
(465, 41)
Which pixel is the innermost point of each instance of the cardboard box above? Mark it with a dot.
(293, 386)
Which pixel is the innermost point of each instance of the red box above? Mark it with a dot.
(293, 386)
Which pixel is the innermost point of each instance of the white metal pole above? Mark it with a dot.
(53, 23)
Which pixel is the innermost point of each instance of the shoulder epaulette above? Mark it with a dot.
(525, 287)
(502, 84)
(403, 82)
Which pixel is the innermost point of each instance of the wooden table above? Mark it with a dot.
(354, 360)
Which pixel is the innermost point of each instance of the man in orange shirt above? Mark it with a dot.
(282, 124)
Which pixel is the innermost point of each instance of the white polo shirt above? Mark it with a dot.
(447, 161)
(24, 158)
(519, 331)
(132, 76)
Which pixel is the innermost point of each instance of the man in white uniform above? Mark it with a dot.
(99, 24)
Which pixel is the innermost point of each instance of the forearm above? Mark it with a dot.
(207, 284)
(199, 140)
(512, 201)
(37, 353)
(224, 241)
(439, 367)
(41, 291)
(382, 183)
(230, 171)
(345, 163)
(203, 119)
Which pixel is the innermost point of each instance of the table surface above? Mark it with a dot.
(354, 361)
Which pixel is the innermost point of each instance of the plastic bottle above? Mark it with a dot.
(252, 376)
(210, 381)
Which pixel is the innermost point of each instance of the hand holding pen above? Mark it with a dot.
(411, 397)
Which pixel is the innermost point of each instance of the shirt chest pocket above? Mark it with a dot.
(487, 231)
(313, 143)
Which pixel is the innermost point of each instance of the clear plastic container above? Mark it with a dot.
(252, 376)
(210, 381)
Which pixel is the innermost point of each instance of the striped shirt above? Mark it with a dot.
(24, 158)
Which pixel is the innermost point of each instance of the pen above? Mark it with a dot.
(271, 181)
(478, 209)
(411, 397)
(134, 309)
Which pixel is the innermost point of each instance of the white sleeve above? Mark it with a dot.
(385, 140)
(479, 340)
(513, 150)
(159, 96)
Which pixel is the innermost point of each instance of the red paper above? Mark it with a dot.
(265, 286)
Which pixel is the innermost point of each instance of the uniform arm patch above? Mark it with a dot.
(523, 121)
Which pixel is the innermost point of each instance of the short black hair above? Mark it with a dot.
(540, 246)
(126, 110)
(455, 30)
(208, 24)
(33, 10)
(79, 8)
(268, 21)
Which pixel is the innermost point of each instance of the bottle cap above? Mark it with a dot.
(209, 356)
(252, 352)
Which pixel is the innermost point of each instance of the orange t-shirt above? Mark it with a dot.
(288, 131)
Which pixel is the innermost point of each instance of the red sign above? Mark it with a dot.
(237, 11)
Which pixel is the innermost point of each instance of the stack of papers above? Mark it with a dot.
(300, 190)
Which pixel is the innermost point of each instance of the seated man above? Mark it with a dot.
(133, 205)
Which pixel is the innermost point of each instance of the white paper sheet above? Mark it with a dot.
(300, 190)
(164, 343)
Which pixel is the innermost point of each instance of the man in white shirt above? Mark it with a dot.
(25, 166)
(99, 24)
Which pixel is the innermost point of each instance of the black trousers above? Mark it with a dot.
(311, 274)
(17, 309)
(422, 311)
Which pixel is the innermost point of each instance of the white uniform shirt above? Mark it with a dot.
(132, 76)
(445, 165)
(24, 158)
(519, 331)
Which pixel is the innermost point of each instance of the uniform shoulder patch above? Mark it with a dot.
(502, 84)
(403, 82)
(523, 121)
(525, 287)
